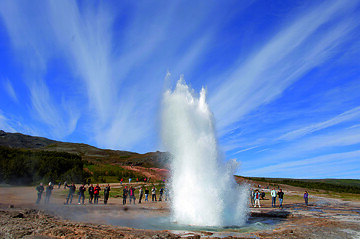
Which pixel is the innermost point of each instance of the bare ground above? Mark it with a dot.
(325, 217)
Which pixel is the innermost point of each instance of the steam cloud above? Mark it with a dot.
(204, 192)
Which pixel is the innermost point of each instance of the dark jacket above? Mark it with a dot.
(82, 189)
(107, 190)
(72, 188)
(40, 189)
(281, 195)
(125, 192)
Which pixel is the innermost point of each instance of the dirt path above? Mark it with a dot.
(153, 173)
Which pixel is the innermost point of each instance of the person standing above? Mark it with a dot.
(106, 194)
(59, 185)
(125, 193)
(161, 193)
(273, 198)
(91, 193)
(257, 198)
(97, 190)
(40, 190)
(251, 193)
(48, 191)
(82, 190)
(146, 194)
(72, 189)
(281, 197)
(153, 194)
(306, 198)
(129, 180)
(141, 192)
(132, 194)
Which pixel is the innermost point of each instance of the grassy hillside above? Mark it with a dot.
(101, 165)
(87, 152)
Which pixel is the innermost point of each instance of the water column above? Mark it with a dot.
(204, 192)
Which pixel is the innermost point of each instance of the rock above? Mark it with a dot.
(18, 215)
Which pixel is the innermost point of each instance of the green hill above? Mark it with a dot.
(87, 152)
(335, 185)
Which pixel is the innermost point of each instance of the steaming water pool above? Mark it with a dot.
(165, 223)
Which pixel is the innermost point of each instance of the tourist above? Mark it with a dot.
(106, 194)
(72, 189)
(281, 197)
(121, 180)
(146, 194)
(129, 180)
(252, 196)
(141, 192)
(257, 198)
(48, 191)
(59, 185)
(91, 193)
(125, 193)
(82, 190)
(97, 190)
(273, 198)
(132, 194)
(40, 190)
(65, 185)
(262, 195)
(153, 193)
(306, 198)
(161, 194)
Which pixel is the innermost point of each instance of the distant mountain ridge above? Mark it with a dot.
(87, 152)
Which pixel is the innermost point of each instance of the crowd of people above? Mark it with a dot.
(256, 196)
(94, 193)
(129, 194)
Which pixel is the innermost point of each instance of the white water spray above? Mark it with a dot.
(204, 192)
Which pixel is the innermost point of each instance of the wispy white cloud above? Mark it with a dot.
(35, 50)
(289, 54)
(47, 111)
(320, 144)
(318, 167)
(10, 89)
(4, 123)
(97, 69)
(246, 149)
(349, 115)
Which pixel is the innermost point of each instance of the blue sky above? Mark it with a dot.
(282, 77)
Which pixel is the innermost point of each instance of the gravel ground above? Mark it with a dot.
(323, 218)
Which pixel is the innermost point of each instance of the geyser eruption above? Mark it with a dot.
(204, 192)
